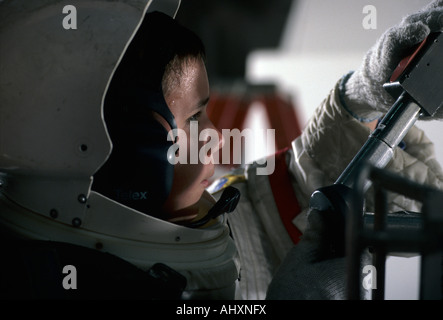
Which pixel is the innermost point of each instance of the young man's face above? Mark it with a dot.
(188, 102)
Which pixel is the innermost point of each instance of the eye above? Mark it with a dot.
(195, 117)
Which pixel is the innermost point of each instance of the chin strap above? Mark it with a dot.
(227, 203)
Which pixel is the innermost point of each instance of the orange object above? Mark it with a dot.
(230, 110)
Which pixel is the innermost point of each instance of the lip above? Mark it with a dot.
(205, 183)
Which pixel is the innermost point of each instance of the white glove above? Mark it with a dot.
(364, 95)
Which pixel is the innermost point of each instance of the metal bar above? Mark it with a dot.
(379, 148)
(379, 254)
(396, 232)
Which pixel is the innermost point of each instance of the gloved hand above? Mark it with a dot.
(364, 95)
(313, 269)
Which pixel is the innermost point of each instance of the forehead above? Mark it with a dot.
(177, 70)
(191, 87)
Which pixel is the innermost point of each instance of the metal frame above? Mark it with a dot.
(395, 232)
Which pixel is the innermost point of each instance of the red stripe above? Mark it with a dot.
(287, 203)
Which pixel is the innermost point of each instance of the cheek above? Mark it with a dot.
(186, 188)
(191, 146)
(186, 175)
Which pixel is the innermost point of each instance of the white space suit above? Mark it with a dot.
(54, 139)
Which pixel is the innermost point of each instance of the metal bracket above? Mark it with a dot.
(395, 232)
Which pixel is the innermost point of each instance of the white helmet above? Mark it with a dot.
(53, 137)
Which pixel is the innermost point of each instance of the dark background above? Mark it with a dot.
(230, 29)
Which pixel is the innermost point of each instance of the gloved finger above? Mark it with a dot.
(430, 7)
(411, 34)
(394, 45)
(434, 4)
(433, 19)
(411, 30)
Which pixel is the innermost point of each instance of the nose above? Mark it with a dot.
(211, 139)
(221, 139)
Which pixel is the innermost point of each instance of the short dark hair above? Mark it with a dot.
(159, 45)
(158, 51)
(188, 47)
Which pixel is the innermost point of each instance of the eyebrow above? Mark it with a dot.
(202, 103)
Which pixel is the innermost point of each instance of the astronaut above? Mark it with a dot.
(56, 140)
(85, 160)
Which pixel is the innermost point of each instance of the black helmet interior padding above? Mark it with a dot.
(137, 172)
